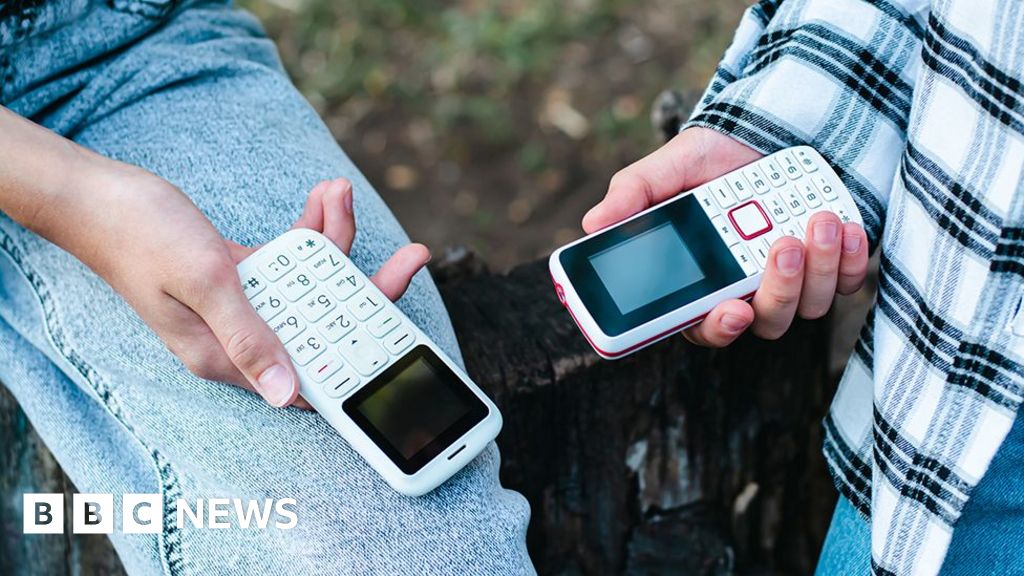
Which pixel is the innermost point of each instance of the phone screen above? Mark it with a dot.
(415, 409)
(646, 267)
(649, 266)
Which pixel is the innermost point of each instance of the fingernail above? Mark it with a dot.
(734, 323)
(825, 233)
(789, 260)
(276, 385)
(851, 243)
(348, 201)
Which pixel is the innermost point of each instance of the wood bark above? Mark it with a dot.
(675, 460)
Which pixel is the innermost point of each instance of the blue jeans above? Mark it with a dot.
(988, 538)
(197, 95)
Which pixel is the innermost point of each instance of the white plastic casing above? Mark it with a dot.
(445, 464)
(641, 336)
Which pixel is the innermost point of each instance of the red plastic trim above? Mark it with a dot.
(621, 353)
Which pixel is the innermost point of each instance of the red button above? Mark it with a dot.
(560, 293)
(750, 220)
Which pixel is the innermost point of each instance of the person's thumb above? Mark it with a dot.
(252, 346)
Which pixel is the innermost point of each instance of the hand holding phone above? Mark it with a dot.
(797, 279)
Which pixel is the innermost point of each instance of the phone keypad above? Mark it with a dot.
(771, 198)
(338, 329)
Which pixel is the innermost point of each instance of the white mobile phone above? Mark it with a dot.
(662, 270)
(404, 406)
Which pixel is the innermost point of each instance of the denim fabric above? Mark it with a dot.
(847, 549)
(197, 95)
(987, 539)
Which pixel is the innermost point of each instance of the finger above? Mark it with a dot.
(249, 343)
(339, 221)
(313, 212)
(394, 276)
(724, 324)
(776, 300)
(853, 264)
(824, 243)
(312, 218)
(693, 157)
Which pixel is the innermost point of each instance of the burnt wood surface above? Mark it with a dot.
(675, 460)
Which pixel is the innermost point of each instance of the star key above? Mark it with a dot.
(306, 247)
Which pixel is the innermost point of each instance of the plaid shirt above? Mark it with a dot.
(919, 106)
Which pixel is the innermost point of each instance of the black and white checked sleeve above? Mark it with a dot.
(835, 74)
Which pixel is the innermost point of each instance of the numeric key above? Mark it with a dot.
(810, 194)
(338, 326)
(344, 286)
(739, 186)
(316, 305)
(776, 208)
(277, 266)
(826, 188)
(303, 350)
(794, 201)
(296, 285)
(774, 173)
(365, 306)
(326, 264)
(268, 305)
(287, 327)
(757, 179)
(789, 164)
(723, 195)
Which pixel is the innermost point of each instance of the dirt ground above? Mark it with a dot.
(495, 124)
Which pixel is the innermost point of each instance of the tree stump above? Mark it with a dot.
(675, 460)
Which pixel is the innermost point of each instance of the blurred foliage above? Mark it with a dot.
(506, 117)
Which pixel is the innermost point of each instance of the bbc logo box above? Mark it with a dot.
(90, 513)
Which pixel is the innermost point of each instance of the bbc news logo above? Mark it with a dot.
(144, 513)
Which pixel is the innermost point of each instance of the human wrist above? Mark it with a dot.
(88, 205)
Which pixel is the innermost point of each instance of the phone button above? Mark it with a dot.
(745, 259)
(725, 231)
(326, 265)
(398, 341)
(308, 246)
(341, 383)
(325, 367)
(560, 293)
(750, 220)
(363, 353)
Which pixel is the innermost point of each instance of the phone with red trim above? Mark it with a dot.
(650, 276)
